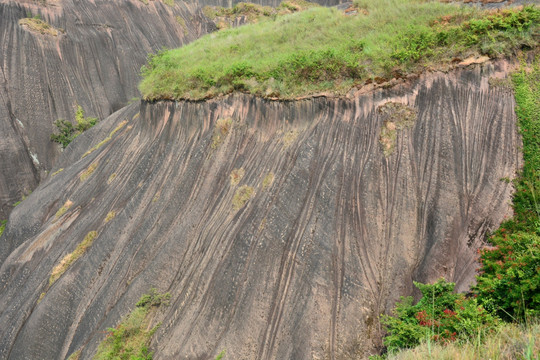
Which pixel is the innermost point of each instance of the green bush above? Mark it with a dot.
(441, 316)
(509, 278)
(67, 132)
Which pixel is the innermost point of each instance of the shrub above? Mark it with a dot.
(509, 280)
(67, 132)
(441, 316)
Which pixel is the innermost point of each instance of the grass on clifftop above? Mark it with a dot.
(323, 49)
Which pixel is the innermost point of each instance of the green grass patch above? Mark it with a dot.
(130, 339)
(323, 49)
(70, 258)
(110, 215)
(268, 181)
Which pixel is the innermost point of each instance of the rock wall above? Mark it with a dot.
(93, 61)
(280, 229)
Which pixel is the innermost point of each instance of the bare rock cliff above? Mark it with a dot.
(90, 55)
(281, 229)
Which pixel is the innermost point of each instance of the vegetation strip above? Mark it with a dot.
(328, 50)
(508, 282)
(130, 339)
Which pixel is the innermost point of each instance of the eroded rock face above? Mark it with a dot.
(93, 61)
(281, 229)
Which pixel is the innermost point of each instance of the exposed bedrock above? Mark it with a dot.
(282, 233)
(93, 61)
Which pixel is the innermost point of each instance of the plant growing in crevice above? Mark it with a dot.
(67, 131)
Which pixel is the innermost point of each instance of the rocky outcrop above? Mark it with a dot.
(281, 229)
(92, 58)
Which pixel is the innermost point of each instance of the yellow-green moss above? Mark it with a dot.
(63, 209)
(89, 171)
(69, 259)
(37, 25)
(396, 117)
(221, 130)
(57, 172)
(242, 196)
(236, 176)
(107, 139)
(268, 180)
(111, 178)
(110, 216)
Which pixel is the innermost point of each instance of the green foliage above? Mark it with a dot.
(67, 132)
(440, 316)
(220, 355)
(509, 278)
(130, 339)
(323, 49)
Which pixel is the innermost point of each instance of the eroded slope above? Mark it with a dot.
(90, 55)
(280, 229)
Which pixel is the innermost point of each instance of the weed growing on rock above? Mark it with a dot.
(268, 181)
(130, 339)
(57, 172)
(111, 215)
(111, 178)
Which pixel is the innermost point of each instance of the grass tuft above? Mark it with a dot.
(2, 226)
(57, 172)
(70, 258)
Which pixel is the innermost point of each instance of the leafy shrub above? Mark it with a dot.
(67, 132)
(509, 280)
(440, 316)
